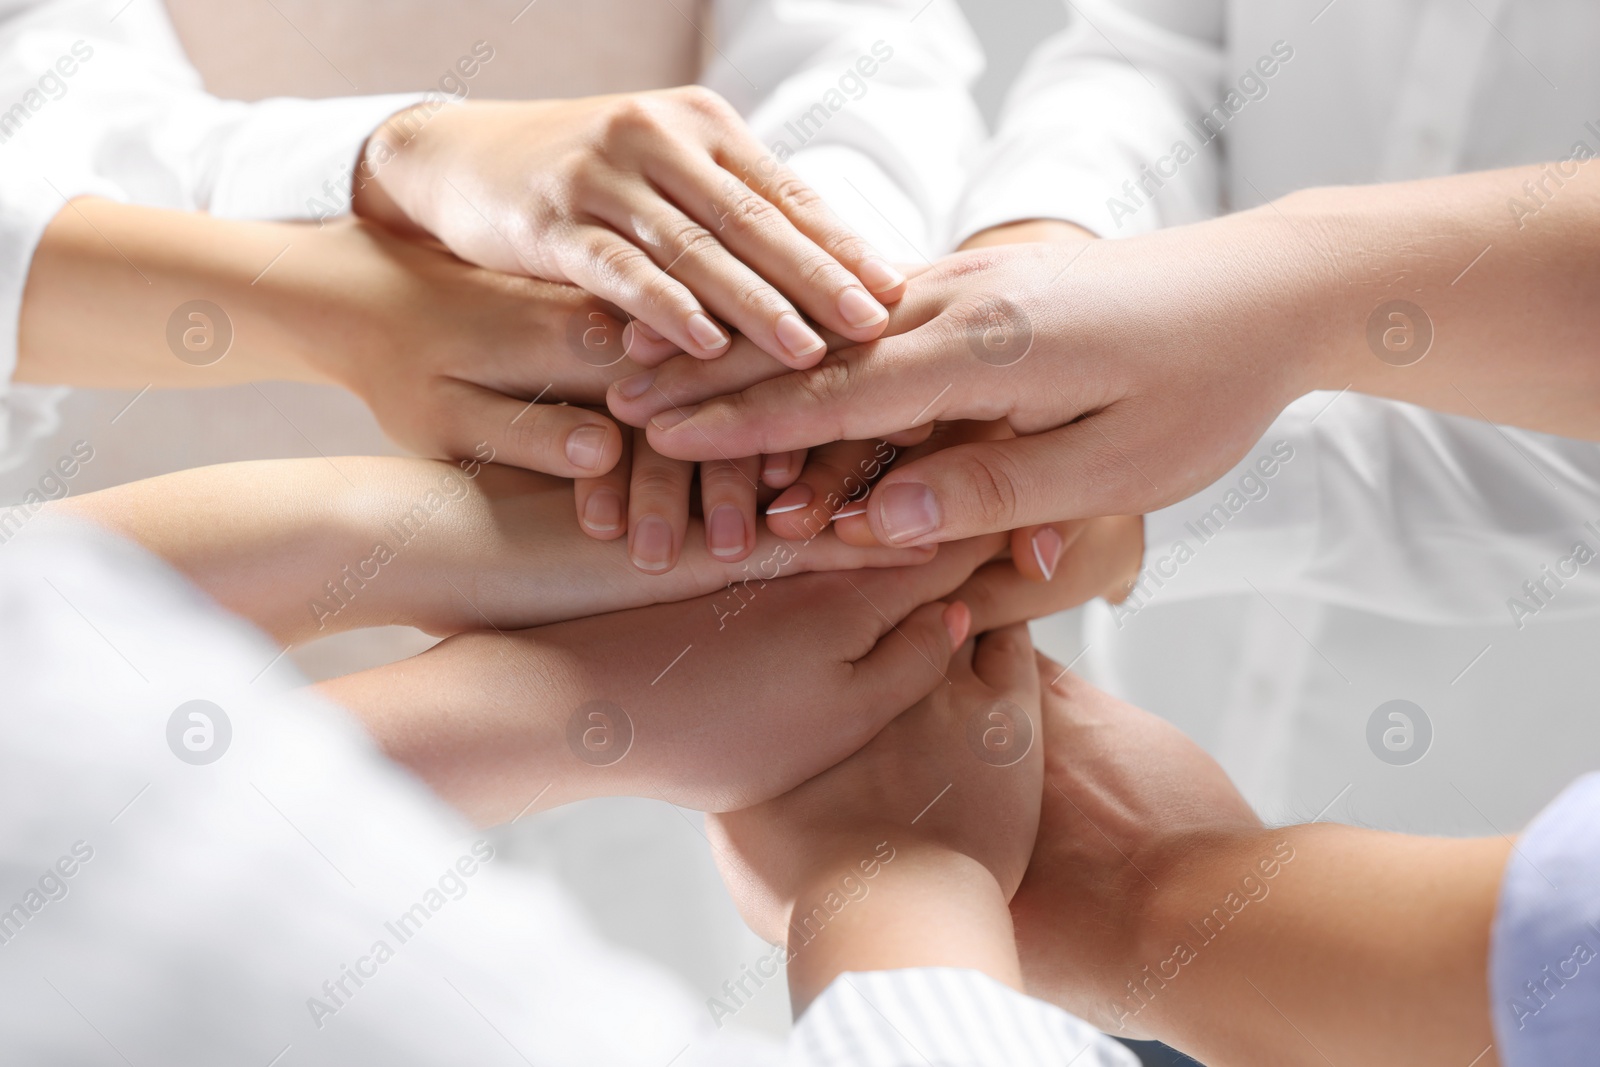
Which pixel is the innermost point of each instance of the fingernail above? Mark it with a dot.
(668, 419)
(851, 512)
(725, 531)
(879, 275)
(602, 512)
(796, 337)
(957, 622)
(647, 332)
(908, 511)
(859, 309)
(777, 468)
(651, 544)
(1047, 550)
(635, 385)
(706, 333)
(586, 447)
(791, 499)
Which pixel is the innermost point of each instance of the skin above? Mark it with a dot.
(733, 697)
(663, 203)
(1351, 946)
(1157, 361)
(447, 355)
(473, 545)
(927, 883)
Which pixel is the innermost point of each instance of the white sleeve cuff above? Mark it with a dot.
(948, 1016)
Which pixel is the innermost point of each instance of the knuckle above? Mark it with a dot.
(656, 483)
(819, 271)
(995, 490)
(634, 115)
(827, 383)
(700, 99)
(689, 237)
(788, 191)
(757, 295)
(617, 260)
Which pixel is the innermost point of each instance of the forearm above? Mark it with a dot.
(107, 295)
(923, 908)
(1511, 298)
(1316, 944)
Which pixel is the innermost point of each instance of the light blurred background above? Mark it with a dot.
(1287, 719)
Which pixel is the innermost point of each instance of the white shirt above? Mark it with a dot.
(1390, 556)
(300, 896)
(867, 101)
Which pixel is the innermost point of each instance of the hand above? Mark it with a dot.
(939, 810)
(307, 548)
(1095, 558)
(1088, 352)
(716, 703)
(662, 203)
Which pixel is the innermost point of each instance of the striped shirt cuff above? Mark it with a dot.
(945, 1017)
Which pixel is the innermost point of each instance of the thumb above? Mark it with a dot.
(569, 442)
(1075, 471)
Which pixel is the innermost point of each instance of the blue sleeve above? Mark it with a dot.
(1544, 952)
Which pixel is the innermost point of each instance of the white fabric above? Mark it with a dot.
(167, 912)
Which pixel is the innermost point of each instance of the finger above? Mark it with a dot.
(759, 234)
(1065, 473)
(603, 502)
(833, 475)
(728, 502)
(1004, 662)
(810, 215)
(658, 508)
(891, 595)
(914, 436)
(1036, 550)
(615, 269)
(780, 471)
(685, 381)
(691, 249)
(852, 525)
(872, 391)
(1101, 560)
(645, 347)
(569, 442)
(905, 665)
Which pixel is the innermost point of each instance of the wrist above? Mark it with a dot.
(887, 907)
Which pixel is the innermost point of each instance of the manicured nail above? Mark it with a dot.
(859, 309)
(1047, 551)
(668, 419)
(957, 622)
(791, 499)
(602, 512)
(635, 385)
(706, 333)
(651, 544)
(725, 531)
(908, 511)
(796, 337)
(586, 447)
(851, 512)
(879, 275)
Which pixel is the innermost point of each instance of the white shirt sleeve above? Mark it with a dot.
(1118, 90)
(1389, 508)
(951, 1017)
(869, 102)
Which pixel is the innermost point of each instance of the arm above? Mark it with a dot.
(308, 548)
(891, 871)
(1158, 905)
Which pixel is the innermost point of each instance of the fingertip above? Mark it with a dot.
(957, 618)
(882, 279)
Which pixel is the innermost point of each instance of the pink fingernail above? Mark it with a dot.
(651, 544)
(602, 512)
(909, 511)
(859, 309)
(706, 333)
(668, 419)
(1047, 551)
(798, 339)
(859, 509)
(725, 532)
(791, 499)
(777, 468)
(879, 275)
(636, 385)
(586, 447)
